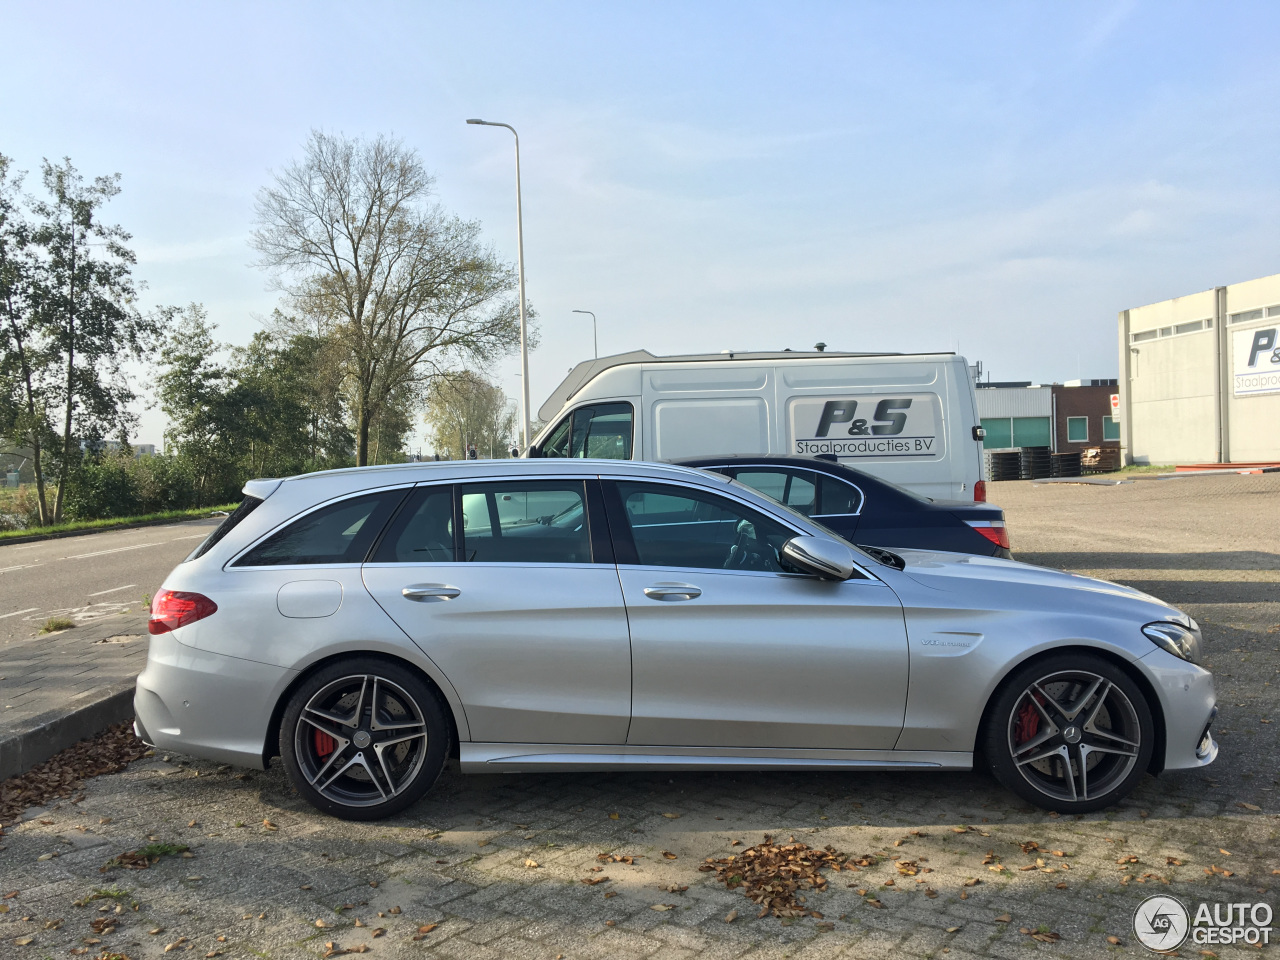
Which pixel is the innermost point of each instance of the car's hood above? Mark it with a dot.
(967, 574)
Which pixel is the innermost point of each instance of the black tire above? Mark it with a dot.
(363, 738)
(1063, 723)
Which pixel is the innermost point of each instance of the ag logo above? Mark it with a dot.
(1161, 923)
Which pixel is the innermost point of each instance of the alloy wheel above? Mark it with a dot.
(1074, 735)
(361, 740)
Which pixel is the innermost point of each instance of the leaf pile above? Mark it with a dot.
(773, 874)
(60, 775)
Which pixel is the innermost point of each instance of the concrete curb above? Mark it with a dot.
(54, 730)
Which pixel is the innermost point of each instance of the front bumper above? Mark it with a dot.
(1190, 706)
(206, 704)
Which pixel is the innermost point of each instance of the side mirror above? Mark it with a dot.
(820, 557)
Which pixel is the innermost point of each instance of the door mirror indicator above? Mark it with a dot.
(820, 557)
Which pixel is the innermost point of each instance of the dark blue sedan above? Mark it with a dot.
(865, 509)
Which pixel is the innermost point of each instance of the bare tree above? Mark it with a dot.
(464, 408)
(405, 287)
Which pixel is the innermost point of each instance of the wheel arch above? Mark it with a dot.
(1130, 669)
(271, 747)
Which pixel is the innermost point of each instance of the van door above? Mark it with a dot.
(597, 430)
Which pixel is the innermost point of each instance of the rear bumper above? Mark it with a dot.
(206, 704)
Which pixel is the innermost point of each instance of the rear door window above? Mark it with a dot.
(525, 522)
(341, 532)
(795, 488)
(837, 497)
(423, 531)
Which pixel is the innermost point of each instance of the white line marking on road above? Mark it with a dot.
(17, 613)
(113, 590)
(99, 553)
(21, 566)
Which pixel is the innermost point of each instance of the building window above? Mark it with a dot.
(1273, 311)
(1031, 431)
(1246, 316)
(1077, 429)
(1166, 331)
(1110, 428)
(999, 433)
(1144, 335)
(1191, 327)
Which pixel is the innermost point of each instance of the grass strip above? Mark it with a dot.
(77, 526)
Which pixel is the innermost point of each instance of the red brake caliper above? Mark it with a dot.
(1028, 724)
(325, 744)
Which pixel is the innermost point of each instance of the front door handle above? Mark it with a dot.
(430, 591)
(672, 591)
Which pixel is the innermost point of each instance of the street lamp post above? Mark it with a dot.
(595, 341)
(524, 325)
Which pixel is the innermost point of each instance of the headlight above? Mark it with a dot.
(1181, 641)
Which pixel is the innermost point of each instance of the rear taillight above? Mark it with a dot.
(980, 491)
(998, 535)
(171, 609)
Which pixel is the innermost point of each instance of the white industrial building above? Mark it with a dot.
(1200, 377)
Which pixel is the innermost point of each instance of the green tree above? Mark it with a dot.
(25, 357)
(85, 307)
(463, 409)
(204, 408)
(404, 287)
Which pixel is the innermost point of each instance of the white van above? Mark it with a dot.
(909, 418)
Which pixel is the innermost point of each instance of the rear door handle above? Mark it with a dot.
(672, 591)
(430, 591)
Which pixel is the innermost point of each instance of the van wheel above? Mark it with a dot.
(1071, 733)
(364, 738)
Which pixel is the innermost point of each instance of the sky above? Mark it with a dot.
(997, 179)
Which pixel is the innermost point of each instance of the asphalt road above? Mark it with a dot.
(88, 577)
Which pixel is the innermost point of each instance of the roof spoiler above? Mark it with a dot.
(261, 489)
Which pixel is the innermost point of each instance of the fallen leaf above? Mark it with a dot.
(952, 929)
(373, 883)
(322, 924)
(377, 932)
(1173, 861)
(268, 825)
(1225, 853)
(875, 903)
(25, 941)
(1004, 918)
(672, 816)
(972, 882)
(394, 911)
(613, 816)
(1060, 886)
(668, 855)
(930, 892)
(611, 923)
(592, 881)
(531, 864)
(1114, 941)
(427, 927)
(176, 944)
(731, 916)
(611, 894)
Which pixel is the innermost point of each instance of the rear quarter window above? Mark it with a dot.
(246, 507)
(341, 532)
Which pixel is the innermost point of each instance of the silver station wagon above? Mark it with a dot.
(367, 624)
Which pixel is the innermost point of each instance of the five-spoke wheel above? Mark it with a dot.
(1071, 733)
(364, 738)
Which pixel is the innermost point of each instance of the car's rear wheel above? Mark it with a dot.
(364, 738)
(1071, 733)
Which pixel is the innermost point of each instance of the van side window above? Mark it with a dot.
(599, 430)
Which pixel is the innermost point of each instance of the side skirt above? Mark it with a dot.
(553, 757)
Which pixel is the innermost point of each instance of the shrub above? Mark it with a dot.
(103, 488)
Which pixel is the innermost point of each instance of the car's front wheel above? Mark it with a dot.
(364, 738)
(1070, 732)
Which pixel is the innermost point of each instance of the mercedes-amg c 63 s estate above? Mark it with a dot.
(365, 625)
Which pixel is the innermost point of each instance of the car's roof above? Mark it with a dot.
(781, 459)
(357, 478)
